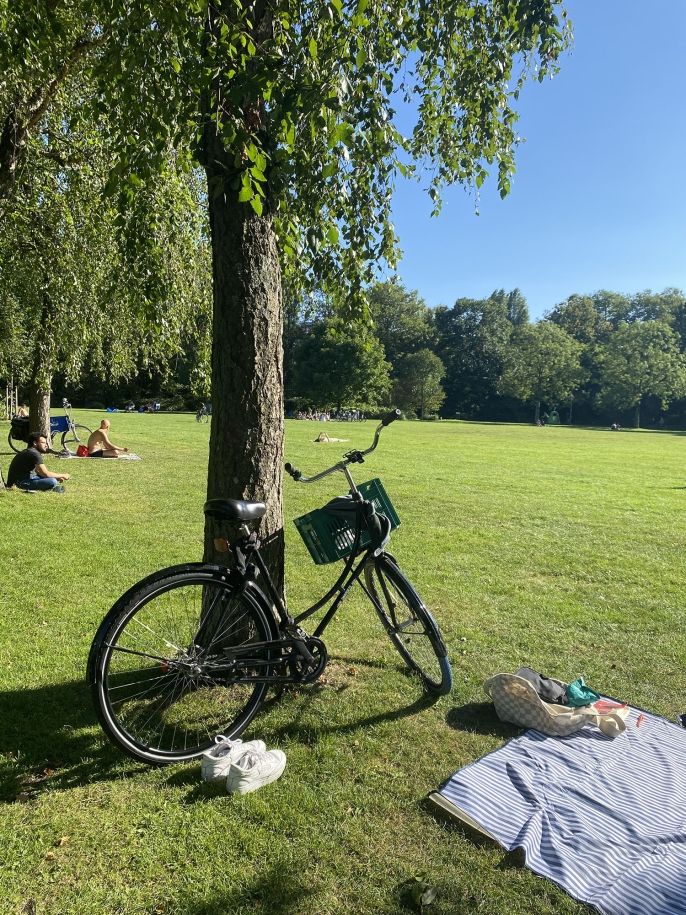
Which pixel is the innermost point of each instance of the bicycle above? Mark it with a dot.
(190, 651)
(202, 415)
(73, 434)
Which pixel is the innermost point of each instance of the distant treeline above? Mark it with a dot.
(595, 359)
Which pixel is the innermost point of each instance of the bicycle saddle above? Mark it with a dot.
(234, 509)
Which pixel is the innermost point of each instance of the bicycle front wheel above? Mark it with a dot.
(161, 665)
(75, 436)
(409, 625)
(12, 442)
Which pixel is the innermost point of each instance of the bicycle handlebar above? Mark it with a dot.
(351, 457)
(391, 417)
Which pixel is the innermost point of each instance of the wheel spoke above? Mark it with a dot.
(410, 626)
(165, 688)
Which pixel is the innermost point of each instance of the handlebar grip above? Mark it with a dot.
(293, 471)
(391, 417)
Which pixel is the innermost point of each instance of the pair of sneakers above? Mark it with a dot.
(245, 766)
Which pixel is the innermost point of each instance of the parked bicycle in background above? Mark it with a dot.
(72, 433)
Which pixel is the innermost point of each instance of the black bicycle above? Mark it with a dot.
(191, 651)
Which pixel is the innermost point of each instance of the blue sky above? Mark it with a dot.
(599, 197)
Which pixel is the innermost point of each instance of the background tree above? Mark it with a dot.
(642, 359)
(515, 303)
(402, 320)
(340, 367)
(418, 383)
(78, 300)
(472, 341)
(542, 364)
(579, 316)
(43, 48)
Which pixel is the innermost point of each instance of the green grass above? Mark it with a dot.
(558, 548)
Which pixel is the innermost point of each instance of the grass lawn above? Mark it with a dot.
(558, 548)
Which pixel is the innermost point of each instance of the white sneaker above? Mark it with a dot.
(216, 761)
(252, 770)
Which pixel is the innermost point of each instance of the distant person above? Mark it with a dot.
(27, 470)
(99, 444)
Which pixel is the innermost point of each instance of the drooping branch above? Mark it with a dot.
(22, 119)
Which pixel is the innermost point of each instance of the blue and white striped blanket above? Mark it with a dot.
(603, 818)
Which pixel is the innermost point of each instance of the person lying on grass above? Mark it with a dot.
(27, 470)
(99, 444)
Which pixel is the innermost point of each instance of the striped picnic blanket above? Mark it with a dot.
(603, 818)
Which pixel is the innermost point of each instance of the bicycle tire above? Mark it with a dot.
(74, 436)
(10, 442)
(152, 639)
(417, 636)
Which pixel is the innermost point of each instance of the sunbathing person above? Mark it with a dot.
(99, 444)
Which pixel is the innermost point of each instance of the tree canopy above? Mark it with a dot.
(418, 387)
(543, 364)
(290, 108)
(641, 359)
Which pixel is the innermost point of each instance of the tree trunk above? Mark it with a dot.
(637, 416)
(571, 407)
(39, 408)
(246, 440)
(537, 412)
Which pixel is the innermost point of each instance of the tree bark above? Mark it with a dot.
(637, 416)
(537, 412)
(246, 440)
(39, 408)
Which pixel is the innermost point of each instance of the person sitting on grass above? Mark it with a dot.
(27, 470)
(99, 444)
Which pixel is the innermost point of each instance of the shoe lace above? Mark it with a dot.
(247, 760)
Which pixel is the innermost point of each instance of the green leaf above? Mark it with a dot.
(256, 204)
(176, 64)
(246, 193)
(333, 235)
(312, 47)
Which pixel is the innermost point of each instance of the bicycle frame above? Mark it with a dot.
(249, 546)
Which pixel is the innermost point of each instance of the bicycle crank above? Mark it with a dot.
(307, 659)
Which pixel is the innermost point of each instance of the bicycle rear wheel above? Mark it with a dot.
(160, 665)
(409, 625)
(74, 436)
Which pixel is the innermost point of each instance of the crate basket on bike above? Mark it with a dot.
(329, 532)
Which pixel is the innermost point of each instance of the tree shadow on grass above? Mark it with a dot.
(48, 738)
(480, 718)
(278, 889)
(309, 734)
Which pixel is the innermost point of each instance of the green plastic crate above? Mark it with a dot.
(329, 538)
